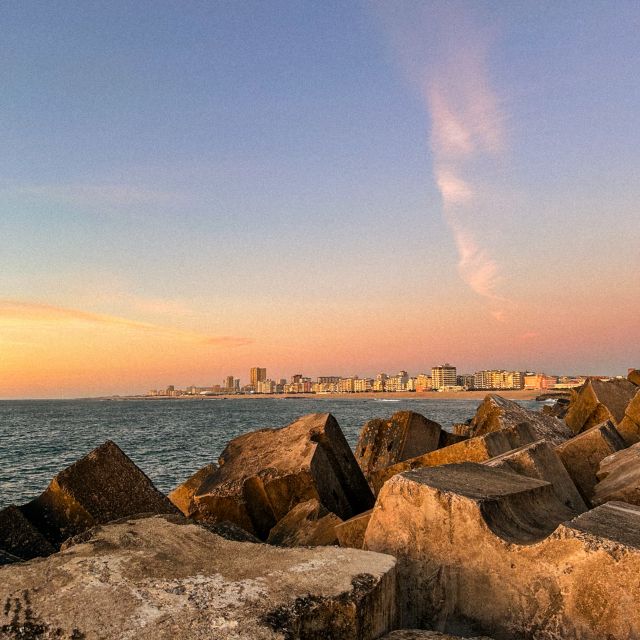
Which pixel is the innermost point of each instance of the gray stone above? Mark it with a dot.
(153, 579)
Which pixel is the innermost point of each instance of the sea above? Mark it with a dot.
(169, 439)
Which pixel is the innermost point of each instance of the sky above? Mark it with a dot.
(190, 189)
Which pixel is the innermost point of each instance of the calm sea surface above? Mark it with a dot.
(167, 439)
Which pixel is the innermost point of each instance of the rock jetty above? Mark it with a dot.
(521, 525)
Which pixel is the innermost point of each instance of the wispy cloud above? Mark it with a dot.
(18, 313)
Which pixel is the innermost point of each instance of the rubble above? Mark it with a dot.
(484, 548)
(264, 474)
(404, 435)
(582, 454)
(598, 401)
(497, 413)
(539, 460)
(307, 524)
(155, 579)
(619, 477)
(105, 485)
(477, 449)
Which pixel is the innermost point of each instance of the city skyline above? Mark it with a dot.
(332, 187)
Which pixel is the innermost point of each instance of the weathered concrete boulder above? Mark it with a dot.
(351, 532)
(597, 401)
(619, 477)
(308, 524)
(105, 485)
(476, 449)
(153, 579)
(634, 377)
(539, 460)
(484, 551)
(629, 426)
(447, 438)
(406, 434)
(182, 495)
(582, 455)
(264, 474)
(19, 538)
(419, 634)
(496, 413)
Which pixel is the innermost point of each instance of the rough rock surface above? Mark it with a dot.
(153, 579)
(539, 460)
(351, 532)
(307, 524)
(480, 551)
(419, 634)
(634, 377)
(558, 409)
(19, 538)
(404, 435)
(629, 426)
(105, 485)
(264, 474)
(582, 455)
(619, 477)
(182, 495)
(476, 449)
(496, 413)
(447, 438)
(597, 401)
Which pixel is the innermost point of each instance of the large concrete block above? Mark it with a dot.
(19, 537)
(539, 460)
(582, 455)
(351, 532)
(385, 442)
(264, 474)
(308, 524)
(182, 495)
(496, 413)
(105, 485)
(152, 579)
(634, 377)
(619, 477)
(629, 426)
(476, 449)
(447, 438)
(484, 551)
(597, 401)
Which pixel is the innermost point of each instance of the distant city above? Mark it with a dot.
(443, 377)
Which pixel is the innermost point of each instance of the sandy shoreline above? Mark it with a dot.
(429, 395)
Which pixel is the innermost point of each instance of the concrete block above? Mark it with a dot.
(264, 474)
(351, 532)
(19, 538)
(484, 548)
(405, 435)
(539, 460)
(182, 495)
(629, 426)
(497, 413)
(154, 579)
(619, 477)
(582, 455)
(307, 524)
(476, 449)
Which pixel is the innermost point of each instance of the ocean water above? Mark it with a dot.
(168, 439)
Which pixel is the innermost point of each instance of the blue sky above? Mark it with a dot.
(242, 168)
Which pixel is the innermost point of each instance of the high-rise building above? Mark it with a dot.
(443, 375)
(228, 383)
(257, 374)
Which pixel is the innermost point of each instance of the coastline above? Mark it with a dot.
(519, 394)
